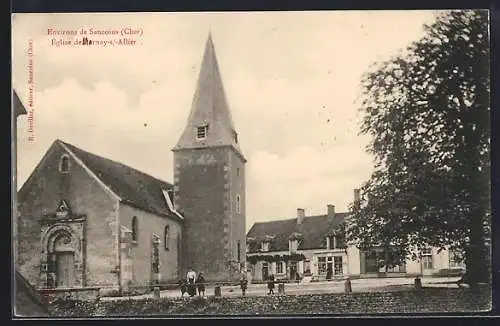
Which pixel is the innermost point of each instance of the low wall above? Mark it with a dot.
(427, 300)
(80, 294)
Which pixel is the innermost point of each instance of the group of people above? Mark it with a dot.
(192, 283)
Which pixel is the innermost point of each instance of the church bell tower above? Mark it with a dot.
(209, 180)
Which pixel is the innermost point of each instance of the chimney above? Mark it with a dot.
(300, 215)
(331, 210)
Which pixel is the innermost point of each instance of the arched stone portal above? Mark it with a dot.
(63, 251)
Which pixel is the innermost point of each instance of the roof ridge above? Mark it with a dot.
(112, 161)
(305, 217)
(274, 221)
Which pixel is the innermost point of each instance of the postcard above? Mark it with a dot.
(251, 163)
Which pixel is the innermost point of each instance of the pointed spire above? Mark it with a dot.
(209, 109)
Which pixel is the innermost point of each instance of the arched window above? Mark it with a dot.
(166, 236)
(64, 164)
(238, 204)
(135, 229)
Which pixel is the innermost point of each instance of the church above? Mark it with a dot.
(84, 220)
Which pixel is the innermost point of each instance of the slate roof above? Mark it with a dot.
(314, 230)
(28, 300)
(131, 185)
(18, 105)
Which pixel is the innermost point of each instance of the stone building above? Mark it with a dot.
(313, 247)
(87, 221)
(209, 178)
(304, 246)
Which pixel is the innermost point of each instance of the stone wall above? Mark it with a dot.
(236, 182)
(149, 224)
(205, 191)
(437, 300)
(41, 195)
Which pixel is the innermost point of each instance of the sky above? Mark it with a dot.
(292, 80)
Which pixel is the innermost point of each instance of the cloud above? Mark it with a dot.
(291, 79)
(306, 177)
(103, 121)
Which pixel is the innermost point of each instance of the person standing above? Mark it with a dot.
(200, 284)
(270, 284)
(191, 275)
(191, 279)
(243, 283)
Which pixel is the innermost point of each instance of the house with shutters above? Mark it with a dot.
(314, 247)
(304, 246)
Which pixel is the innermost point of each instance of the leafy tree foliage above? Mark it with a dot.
(427, 112)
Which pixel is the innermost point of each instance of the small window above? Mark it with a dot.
(336, 242)
(265, 246)
(321, 265)
(427, 262)
(235, 135)
(201, 132)
(134, 229)
(238, 204)
(279, 267)
(64, 164)
(455, 259)
(166, 236)
(337, 265)
(307, 267)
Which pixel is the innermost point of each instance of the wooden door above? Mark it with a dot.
(65, 269)
(265, 271)
(329, 270)
(293, 270)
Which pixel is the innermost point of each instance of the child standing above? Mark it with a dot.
(243, 283)
(270, 284)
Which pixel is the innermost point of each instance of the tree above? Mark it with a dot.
(427, 112)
